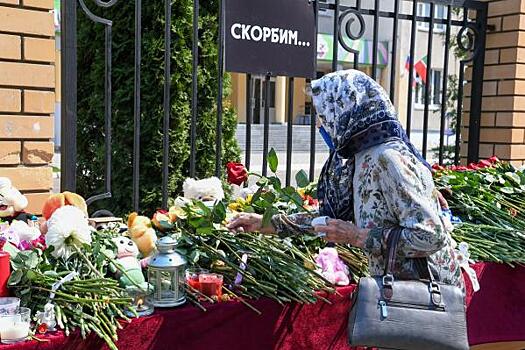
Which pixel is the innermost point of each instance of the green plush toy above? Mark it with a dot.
(127, 253)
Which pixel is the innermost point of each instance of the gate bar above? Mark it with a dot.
(376, 40)
(335, 54)
(249, 117)
(411, 72)
(477, 86)
(289, 137)
(218, 131)
(167, 103)
(429, 78)
(266, 124)
(68, 163)
(445, 88)
(393, 67)
(194, 88)
(136, 136)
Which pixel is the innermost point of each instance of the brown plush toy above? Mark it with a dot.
(141, 232)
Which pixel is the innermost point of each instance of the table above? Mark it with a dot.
(495, 314)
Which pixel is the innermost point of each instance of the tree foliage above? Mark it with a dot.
(91, 69)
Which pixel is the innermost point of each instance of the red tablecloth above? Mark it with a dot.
(495, 314)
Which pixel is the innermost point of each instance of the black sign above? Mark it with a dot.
(276, 37)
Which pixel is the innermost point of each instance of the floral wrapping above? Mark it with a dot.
(392, 188)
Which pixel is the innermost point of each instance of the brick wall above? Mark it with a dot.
(27, 96)
(503, 117)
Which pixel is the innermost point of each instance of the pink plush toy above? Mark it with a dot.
(332, 267)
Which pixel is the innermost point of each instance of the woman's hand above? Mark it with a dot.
(442, 201)
(344, 232)
(247, 222)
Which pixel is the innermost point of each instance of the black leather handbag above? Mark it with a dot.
(407, 314)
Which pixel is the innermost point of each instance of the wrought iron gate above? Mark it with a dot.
(461, 24)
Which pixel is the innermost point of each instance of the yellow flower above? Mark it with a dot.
(235, 206)
(175, 213)
(249, 198)
(301, 192)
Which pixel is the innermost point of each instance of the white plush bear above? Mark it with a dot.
(208, 190)
(12, 202)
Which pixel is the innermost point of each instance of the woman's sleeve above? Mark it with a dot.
(410, 196)
(293, 225)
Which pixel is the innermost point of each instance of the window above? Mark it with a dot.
(435, 91)
(440, 12)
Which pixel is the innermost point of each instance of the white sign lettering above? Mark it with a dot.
(257, 33)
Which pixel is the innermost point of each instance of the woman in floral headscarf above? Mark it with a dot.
(373, 182)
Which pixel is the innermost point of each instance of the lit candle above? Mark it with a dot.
(15, 328)
(14, 332)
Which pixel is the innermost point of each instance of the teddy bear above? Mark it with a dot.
(127, 258)
(12, 203)
(209, 190)
(142, 233)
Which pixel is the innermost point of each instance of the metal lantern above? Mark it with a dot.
(166, 275)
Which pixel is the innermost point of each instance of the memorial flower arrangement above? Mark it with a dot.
(71, 269)
(255, 265)
(71, 275)
(489, 198)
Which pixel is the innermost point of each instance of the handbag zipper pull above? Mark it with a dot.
(384, 310)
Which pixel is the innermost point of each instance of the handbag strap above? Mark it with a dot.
(421, 265)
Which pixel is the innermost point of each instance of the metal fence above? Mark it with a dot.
(462, 25)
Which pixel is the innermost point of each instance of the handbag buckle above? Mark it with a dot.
(388, 284)
(435, 294)
(388, 280)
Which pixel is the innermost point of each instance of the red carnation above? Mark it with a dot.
(237, 173)
(311, 201)
(484, 164)
(493, 159)
(473, 166)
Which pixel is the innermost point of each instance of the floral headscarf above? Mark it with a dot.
(357, 114)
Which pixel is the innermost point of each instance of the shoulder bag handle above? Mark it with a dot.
(421, 265)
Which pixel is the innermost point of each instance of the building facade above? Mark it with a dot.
(302, 103)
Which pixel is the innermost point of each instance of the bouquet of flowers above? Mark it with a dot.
(489, 198)
(70, 274)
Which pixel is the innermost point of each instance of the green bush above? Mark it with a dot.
(91, 102)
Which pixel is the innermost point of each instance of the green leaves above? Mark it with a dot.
(302, 179)
(91, 103)
(273, 161)
(25, 260)
(219, 212)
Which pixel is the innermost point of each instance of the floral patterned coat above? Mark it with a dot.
(393, 189)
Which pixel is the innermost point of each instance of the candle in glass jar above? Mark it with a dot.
(193, 283)
(192, 277)
(211, 285)
(14, 331)
(15, 328)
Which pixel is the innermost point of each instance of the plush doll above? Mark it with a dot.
(208, 190)
(127, 253)
(46, 318)
(332, 267)
(142, 233)
(25, 231)
(12, 203)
